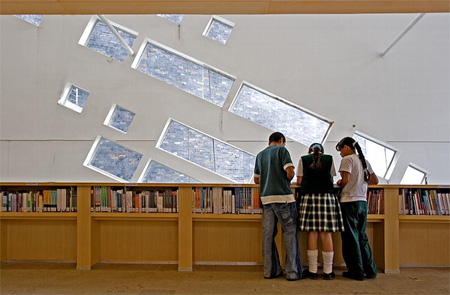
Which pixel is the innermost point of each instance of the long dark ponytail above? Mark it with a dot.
(316, 149)
(353, 144)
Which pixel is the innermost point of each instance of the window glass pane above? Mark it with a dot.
(379, 156)
(176, 18)
(103, 41)
(278, 115)
(119, 118)
(112, 159)
(219, 31)
(207, 152)
(34, 19)
(186, 74)
(73, 97)
(413, 176)
(159, 173)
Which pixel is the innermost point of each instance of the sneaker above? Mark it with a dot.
(274, 277)
(350, 275)
(371, 276)
(329, 276)
(310, 275)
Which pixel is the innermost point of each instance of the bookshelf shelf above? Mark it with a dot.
(375, 218)
(135, 216)
(425, 218)
(38, 215)
(226, 217)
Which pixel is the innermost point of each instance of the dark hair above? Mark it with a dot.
(353, 144)
(316, 149)
(276, 136)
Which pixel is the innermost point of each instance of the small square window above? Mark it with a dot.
(176, 18)
(73, 97)
(415, 175)
(112, 159)
(34, 19)
(155, 172)
(119, 118)
(218, 29)
(98, 37)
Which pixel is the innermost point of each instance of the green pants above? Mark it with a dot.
(355, 243)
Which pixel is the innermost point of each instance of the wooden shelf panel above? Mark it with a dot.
(226, 217)
(134, 216)
(375, 218)
(39, 215)
(425, 218)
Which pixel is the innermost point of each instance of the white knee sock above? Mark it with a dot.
(327, 261)
(312, 260)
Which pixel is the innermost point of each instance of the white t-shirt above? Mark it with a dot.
(356, 188)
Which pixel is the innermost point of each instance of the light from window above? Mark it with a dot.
(119, 118)
(34, 19)
(176, 18)
(112, 159)
(183, 72)
(73, 97)
(210, 153)
(98, 37)
(155, 172)
(414, 175)
(280, 115)
(380, 155)
(219, 29)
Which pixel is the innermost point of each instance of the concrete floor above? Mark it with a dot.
(145, 279)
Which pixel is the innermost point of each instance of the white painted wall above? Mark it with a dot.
(329, 64)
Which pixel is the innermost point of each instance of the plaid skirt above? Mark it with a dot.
(320, 212)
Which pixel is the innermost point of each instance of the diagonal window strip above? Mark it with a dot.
(155, 172)
(112, 159)
(277, 114)
(219, 29)
(414, 175)
(119, 118)
(206, 151)
(186, 73)
(98, 37)
(176, 18)
(380, 155)
(34, 19)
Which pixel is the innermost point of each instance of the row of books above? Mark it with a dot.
(375, 201)
(423, 202)
(238, 200)
(53, 200)
(109, 199)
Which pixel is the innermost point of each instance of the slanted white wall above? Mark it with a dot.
(329, 64)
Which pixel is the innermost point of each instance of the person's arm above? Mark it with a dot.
(373, 179)
(290, 173)
(299, 180)
(256, 179)
(345, 176)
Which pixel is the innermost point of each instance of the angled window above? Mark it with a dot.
(415, 175)
(73, 97)
(34, 19)
(381, 156)
(98, 37)
(218, 29)
(186, 73)
(159, 173)
(119, 118)
(277, 114)
(112, 159)
(206, 151)
(176, 18)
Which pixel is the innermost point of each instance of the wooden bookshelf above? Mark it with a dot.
(186, 238)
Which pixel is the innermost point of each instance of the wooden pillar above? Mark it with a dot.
(391, 231)
(84, 228)
(185, 241)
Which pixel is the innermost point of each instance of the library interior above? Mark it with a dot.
(129, 132)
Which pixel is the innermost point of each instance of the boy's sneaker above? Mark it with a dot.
(329, 276)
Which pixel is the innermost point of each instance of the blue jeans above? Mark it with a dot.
(287, 214)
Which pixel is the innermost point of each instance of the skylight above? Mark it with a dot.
(199, 148)
(176, 18)
(112, 159)
(34, 19)
(119, 118)
(98, 37)
(414, 175)
(186, 73)
(219, 29)
(155, 172)
(73, 97)
(380, 155)
(277, 114)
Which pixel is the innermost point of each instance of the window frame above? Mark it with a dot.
(163, 133)
(111, 113)
(36, 25)
(426, 174)
(387, 175)
(282, 100)
(64, 98)
(168, 19)
(220, 20)
(141, 177)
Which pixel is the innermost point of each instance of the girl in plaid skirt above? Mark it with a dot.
(319, 210)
